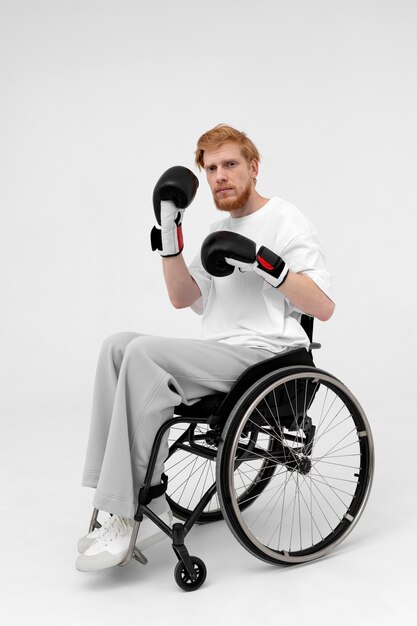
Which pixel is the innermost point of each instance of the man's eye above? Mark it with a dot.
(232, 163)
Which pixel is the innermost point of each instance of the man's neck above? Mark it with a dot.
(254, 203)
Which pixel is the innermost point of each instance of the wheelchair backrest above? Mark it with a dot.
(307, 324)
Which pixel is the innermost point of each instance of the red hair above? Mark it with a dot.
(219, 135)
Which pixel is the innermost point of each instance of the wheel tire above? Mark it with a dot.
(312, 508)
(184, 580)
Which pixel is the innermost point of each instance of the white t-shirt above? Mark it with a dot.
(243, 309)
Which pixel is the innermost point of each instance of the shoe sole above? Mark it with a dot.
(97, 562)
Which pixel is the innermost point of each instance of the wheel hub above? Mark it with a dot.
(303, 465)
(300, 463)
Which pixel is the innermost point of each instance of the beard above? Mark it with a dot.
(236, 202)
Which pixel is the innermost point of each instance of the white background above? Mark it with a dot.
(98, 98)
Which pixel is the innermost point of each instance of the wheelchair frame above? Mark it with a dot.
(242, 431)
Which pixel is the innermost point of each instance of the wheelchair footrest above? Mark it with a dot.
(134, 552)
(139, 556)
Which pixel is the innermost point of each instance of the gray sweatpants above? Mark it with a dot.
(140, 380)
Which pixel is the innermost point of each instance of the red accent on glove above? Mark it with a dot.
(180, 238)
(264, 263)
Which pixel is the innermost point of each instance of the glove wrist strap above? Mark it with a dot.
(169, 245)
(271, 266)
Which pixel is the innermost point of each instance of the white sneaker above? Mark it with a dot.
(111, 546)
(85, 542)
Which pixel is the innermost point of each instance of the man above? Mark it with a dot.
(259, 269)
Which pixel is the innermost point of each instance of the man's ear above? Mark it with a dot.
(253, 167)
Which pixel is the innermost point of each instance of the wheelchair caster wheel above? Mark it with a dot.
(184, 580)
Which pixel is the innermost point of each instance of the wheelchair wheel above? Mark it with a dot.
(183, 578)
(322, 461)
(191, 469)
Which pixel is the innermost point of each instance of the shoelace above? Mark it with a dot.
(104, 527)
(113, 527)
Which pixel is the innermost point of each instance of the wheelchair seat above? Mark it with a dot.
(220, 403)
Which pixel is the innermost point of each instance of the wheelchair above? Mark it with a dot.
(286, 458)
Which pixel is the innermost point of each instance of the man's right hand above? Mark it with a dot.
(173, 193)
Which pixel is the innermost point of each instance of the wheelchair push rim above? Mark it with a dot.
(323, 458)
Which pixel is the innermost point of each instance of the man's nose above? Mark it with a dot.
(220, 174)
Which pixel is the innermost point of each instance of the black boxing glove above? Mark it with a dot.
(223, 251)
(173, 193)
